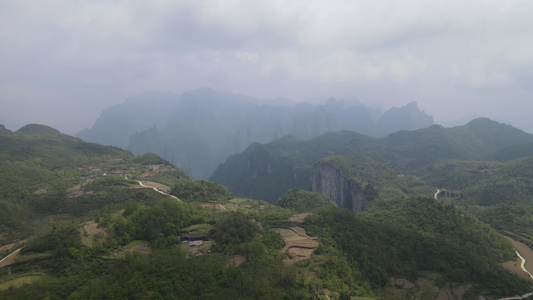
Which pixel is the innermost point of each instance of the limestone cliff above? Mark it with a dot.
(347, 194)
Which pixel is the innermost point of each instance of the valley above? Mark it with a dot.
(346, 216)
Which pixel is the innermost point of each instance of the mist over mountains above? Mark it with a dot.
(197, 130)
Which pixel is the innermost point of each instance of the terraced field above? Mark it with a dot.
(298, 244)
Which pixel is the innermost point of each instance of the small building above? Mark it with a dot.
(194, 236)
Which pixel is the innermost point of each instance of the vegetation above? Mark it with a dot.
(418, 235)
(150, 159)
(201, 191)
(268, 171)
(498, 193)
(303, 201)
(58, 192)
(232, 230)
(44, 172)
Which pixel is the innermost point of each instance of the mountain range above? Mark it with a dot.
(87, 221)
(197, 130)
(267, 171)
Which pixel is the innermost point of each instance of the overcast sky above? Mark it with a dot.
(63, 62)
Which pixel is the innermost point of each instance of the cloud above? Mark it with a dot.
(450, 56)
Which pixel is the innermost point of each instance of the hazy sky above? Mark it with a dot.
(63, 62)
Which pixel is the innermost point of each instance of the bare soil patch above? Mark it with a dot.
(461, 290)
(425, 287)
(74, 191)
(152, 170)
(300, 231)
(88, 230)
(298, 217)
(297, 243)
(237, 260)
(445, 294)
(526, 253)
(8, 260)
(514, 267)
(92, 228)
(155, 167)
(297, 254)
(9, 246)
(403, 283)
(141, 249)
(220, 207)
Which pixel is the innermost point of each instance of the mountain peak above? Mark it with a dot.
(4, 129)
(39, 129)
(411, 105)
(408, 117)
(481, 121)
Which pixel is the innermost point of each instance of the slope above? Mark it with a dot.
(267, 171)
(200, 128)
(354, 256)
(44, 172)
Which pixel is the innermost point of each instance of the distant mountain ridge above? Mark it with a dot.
(117, 123)
(199, 129)
(268, 171)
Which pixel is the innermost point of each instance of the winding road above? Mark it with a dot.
(517, 245)
(9, 259)
(523, 264)
(159, 191)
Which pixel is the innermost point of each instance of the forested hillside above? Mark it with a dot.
(44, 172)
(84, 221)
(499, 193)
(267, 171)
(455, 165)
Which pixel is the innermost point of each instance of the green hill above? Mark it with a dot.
(499, 193)
(44, 172)
(513, 152)
(267, 171)
(91, 231)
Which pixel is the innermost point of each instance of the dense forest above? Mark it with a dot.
(85, 221)
(266, 171)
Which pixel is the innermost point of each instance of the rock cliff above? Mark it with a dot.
(347, 194)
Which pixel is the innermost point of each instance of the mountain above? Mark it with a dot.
(267, 171)
(408, 117)
(513, 152)
(352, 182)
(117, 123)
(199, 129)
(499, 193)
(44, 172)
(80, 220)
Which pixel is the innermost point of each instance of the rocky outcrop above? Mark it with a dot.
(347, 194)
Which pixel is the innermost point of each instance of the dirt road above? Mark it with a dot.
(160, 188)
(6, 261)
